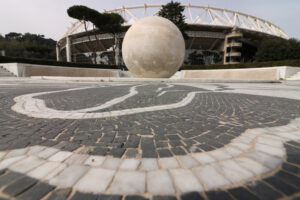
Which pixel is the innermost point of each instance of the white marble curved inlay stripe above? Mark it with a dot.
(30, 106)
(253, 155)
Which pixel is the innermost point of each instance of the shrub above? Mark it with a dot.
(278, 49)
(293, 63)
(5, 59)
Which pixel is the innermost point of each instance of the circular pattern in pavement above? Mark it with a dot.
(205, 122)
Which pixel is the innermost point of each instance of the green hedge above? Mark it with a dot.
(292, 63)
(6, 59)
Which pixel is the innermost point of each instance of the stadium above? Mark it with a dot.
(216, 36)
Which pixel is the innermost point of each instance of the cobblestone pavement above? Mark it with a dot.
(154, 141)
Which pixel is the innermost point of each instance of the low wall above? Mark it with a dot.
(28, 70)
(270, 73)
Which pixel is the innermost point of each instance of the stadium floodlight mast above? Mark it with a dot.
(206, 16)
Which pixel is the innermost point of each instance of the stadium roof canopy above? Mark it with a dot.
(195, 15)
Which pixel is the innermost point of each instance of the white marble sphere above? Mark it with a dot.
(153, 47)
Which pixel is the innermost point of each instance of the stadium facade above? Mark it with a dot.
(216, 36)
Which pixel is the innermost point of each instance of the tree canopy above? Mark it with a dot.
(28, 45)
(174, 12)
(104, 22)
(278, 49)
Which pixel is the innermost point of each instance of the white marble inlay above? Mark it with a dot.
(69, 176)
(194, 171)
(96, 180)
(185, 180)
(253, 154)
(30, 106)
(210, 177)
(159, 182)
(129, 182)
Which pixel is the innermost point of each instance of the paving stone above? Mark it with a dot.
(163, 197)
(60, 156)
(9, 161)
(270, 141)
(100, 151)
(252, 165)
(185, 180)
(281, 185)
(16, 152)
(95, 180)
(220, 154)
(210, 177)
(129, 164)
(159, 182)
(192, 196)
(95, 161)
(112, 163)
(149, 164)
(178, 151)
(36, 192)
(2, 172)
(203, 158)
(109, 197)
(69, 176)
(289, 178)
(135, 197)
(269, 161)
(35, 149)
(59, 194)
(263, 191)
(164, 153)
(270, 150)
(2, 154)
(9, 178)
(76, 159)
(168, 163)
(44, 170)
(55, 172)
(218, 195)
(232, 171)
(188, 161)
(128, 183)
(234, 152)
(80, 196)
(241, 146)
(19, 186)
(290, 168)
(46, 153)
(242, 193)
(26, 164)
(131, 153)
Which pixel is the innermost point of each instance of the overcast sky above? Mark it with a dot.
(49, 17)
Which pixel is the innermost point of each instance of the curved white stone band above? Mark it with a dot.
(28, 105)
(255, 154)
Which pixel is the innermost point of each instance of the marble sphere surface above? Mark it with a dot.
(153, 47)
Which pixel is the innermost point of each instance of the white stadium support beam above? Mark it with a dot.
(205, 15)
(68, 50)
(58, 57)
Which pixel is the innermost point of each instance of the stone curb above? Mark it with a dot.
(158, 80)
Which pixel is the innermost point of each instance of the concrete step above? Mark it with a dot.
(295, 77)
(5, 73)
